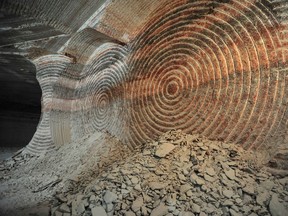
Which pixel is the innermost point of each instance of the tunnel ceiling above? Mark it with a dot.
(139, 68)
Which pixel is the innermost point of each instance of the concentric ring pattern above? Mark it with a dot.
(101, 91)
(49, 69)
(218, 68)
(89, 94)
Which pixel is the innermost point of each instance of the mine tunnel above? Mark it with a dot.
(191, 88)
(20, 103)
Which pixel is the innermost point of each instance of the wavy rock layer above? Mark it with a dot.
(218, 68)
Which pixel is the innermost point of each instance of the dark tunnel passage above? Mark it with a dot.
(20, 107)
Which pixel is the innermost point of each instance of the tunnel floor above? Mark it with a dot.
(177, 174)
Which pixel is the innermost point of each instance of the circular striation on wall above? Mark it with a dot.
(105, 75)
(49, 69)
(89, 94)
(217, 68)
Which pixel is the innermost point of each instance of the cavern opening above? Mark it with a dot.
(20, 106)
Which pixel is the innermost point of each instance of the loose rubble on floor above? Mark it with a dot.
(28, 183)
(183, 175)
(179, 174)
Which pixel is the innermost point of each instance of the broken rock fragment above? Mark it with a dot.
(228, 193)
(157, 185)
(160, 210)
(164, 149)
(195, 208)
(146, 185)
(98, 211)
(137, 204)
(210, 171)
(109, 197)
(230, 173)
(262, 198)
(276, 208)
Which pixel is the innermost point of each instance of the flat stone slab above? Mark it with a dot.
(164, 149)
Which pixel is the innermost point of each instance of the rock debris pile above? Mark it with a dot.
(13, 163)
(180, 174)
(26, 180)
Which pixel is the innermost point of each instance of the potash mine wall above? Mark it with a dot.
(66, 15)
(140, 68)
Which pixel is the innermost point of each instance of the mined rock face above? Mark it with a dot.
(216, 68)
(66, 15)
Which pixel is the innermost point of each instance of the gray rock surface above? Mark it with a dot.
(98, 211)
(164, 149)
(109, 197)
(276, 208)
(195, 176)
(160, 210)
(137, 204)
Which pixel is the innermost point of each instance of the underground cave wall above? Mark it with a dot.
(218, 68)
(227, 64)
(65, 15)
